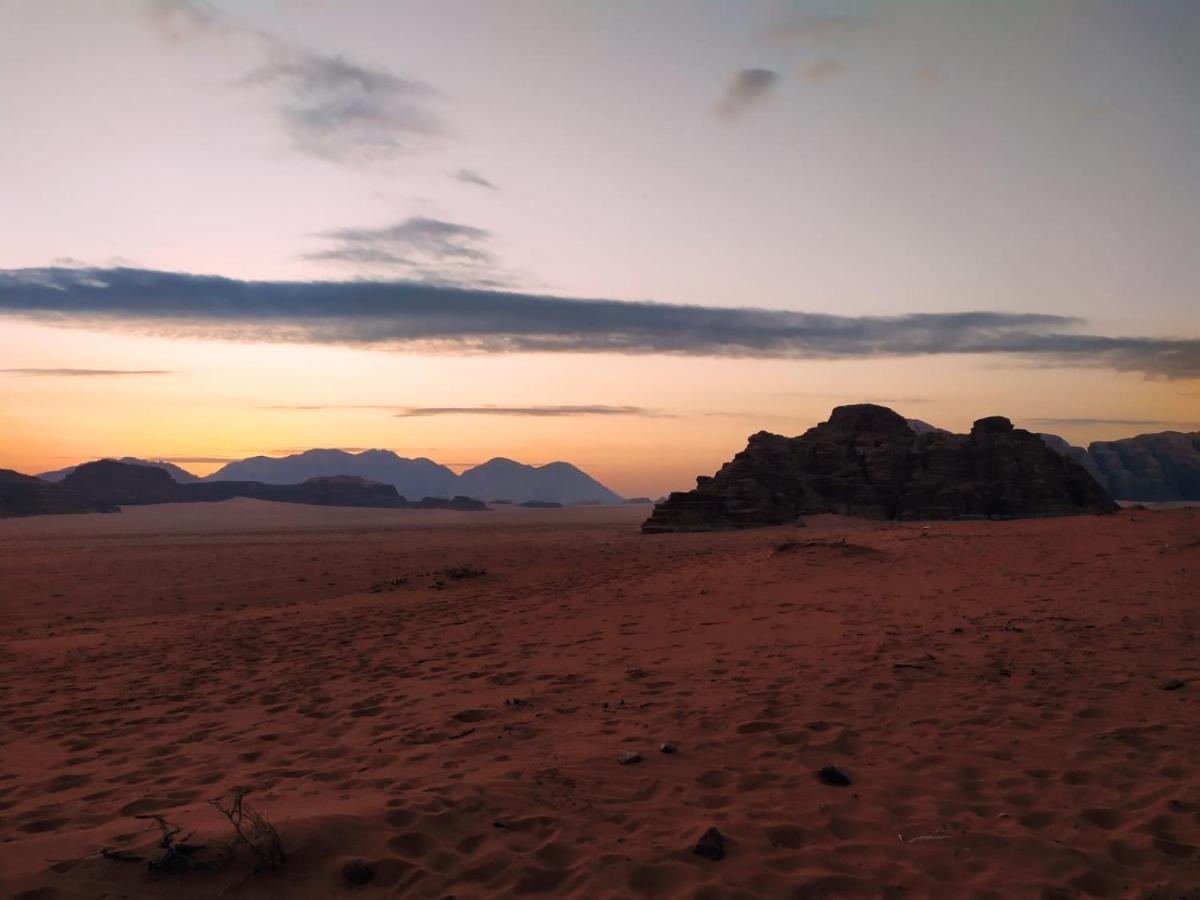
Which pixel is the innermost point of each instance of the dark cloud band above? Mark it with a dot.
(84, 373)
(449, 319)
(533, 411)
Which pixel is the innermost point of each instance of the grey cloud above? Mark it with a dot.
(331, 107)
(748, 87)
(179, 460)
(534, 411)
(85, 373)
(437, 318)
(345, 112)
(426, 249)
(466, 176)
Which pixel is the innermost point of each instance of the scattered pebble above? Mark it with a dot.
(667, 747)
(834, 776)
(628, 758)
(358, 872)
(1173, 685)
(711, 845)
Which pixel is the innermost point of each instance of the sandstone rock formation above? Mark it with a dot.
(107, 481)
(23, 495)
(867, 461)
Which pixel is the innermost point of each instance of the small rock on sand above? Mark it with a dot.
(1173, 685)
(358, 872)
(628, 758)
(711, 845)
(667, 747)
(834, 776)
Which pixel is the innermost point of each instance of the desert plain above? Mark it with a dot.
(441, 700)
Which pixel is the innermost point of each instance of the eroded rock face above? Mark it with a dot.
(1164, 466)
(1157, 467)
(867, 461)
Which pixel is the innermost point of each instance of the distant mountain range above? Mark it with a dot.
(181, 476)
(497, 479)
(1157, 467)
(107, 485)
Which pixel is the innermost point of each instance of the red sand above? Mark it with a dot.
(994, 690)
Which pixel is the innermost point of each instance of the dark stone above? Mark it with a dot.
(711, 845)
(991, 425)
(867, 461)
(667, 747)
(110, 482)
(1173, 685)
(628, 758)
(834, 777)
(358, 872)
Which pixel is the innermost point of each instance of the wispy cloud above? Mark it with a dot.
(330, 106)
(345, 112)
(467, 176)
(181, 460)
(534, 411)
(423, 249)
(852, 398)
(84, 373)
(1051, 420)
(321, 407)
(748, 88)
(437, 318)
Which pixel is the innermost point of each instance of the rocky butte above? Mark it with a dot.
(867, 461)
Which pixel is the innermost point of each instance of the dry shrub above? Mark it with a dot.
(177, 854)
(252, 829)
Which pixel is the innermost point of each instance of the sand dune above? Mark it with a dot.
(444, 696)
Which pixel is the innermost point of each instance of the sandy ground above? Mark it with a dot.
(995, 691)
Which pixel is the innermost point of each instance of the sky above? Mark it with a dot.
(625, 235)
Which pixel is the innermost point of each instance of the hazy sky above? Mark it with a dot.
(771, 208)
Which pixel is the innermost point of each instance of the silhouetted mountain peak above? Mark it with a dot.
(499, 477)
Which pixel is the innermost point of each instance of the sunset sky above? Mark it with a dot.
(625, 235)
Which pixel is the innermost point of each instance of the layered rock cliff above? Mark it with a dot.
(867, 461)
(1163, 466)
